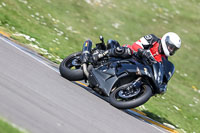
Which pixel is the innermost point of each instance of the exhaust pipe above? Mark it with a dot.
(86, 52)
(85, 71)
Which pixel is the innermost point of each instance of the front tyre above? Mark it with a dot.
(70, 67)
(123, 100)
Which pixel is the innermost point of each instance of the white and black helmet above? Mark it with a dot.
(171, 42)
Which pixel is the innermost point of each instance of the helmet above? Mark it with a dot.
(171, 42)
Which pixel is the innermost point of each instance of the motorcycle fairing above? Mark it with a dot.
(169, 69)
(102, 80)
(107, 76)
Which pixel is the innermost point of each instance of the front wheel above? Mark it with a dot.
(123, 99)
(70, 67)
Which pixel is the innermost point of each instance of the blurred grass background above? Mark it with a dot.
(57, 28)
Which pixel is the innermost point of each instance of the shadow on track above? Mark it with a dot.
(157, 118)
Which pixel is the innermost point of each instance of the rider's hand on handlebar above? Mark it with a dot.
(147, 54)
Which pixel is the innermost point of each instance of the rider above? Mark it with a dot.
(150, 47)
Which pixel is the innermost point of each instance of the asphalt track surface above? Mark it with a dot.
(37, 98)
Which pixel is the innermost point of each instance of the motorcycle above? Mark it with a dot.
(128, 83)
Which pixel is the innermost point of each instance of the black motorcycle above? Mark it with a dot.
(127, 82)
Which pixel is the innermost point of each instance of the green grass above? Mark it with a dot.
(5, 127)
(61, 27)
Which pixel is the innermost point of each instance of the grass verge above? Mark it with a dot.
(6, 127)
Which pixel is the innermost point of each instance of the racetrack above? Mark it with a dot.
(37, 98)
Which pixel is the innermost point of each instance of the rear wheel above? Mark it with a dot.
(70, 67)
(124, 99)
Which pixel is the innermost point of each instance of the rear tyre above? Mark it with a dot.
(130, 100)
(70, 67)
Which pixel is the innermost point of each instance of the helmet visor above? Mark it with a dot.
(170, 46)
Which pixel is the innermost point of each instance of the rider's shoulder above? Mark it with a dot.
(150, 37)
